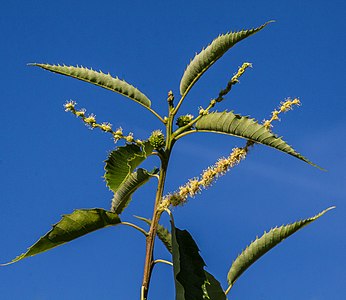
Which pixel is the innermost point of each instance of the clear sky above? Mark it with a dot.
(50, 163)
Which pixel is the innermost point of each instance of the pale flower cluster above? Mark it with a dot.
(284, 107)
(91, 122)
(195, 185)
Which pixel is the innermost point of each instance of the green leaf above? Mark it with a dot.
(212, 287)
(244, 127)
(70, 227)
(262, 245)
(208, 56)
(122, 162)
(188, 266)
(100, 79)
(122, 197)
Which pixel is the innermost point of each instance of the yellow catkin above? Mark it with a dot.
(165, 203)
(241, 71)
(90, 120)
(70, 105)
(194, 186)
(105, 126)
(80, 113)
(284, 107)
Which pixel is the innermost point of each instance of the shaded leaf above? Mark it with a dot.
(211, 287)
(247, 128)
(188, 266)
(265, 243)
(70, 227)
(122, 162)
(208, 56)
(122, 197)
(100, 79)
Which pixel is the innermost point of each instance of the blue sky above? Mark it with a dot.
(50, 163)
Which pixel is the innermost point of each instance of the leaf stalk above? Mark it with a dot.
(135, 227)
(228, 289)
(162, 261)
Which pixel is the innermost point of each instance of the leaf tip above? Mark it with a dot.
(323, 212)
(40, 65)
(330, 208)
(18, 258)
(316, 166)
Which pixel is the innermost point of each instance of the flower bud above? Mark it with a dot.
(170, 97)
(80, 113)
(129, 138)
(184, 120)
(69, 106)
(91, 120)
(119, 132)
(157, 139)
(106, 127)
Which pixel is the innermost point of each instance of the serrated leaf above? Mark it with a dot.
(123, 161)
(122, 196)
(188, 266)
(208, 56)
(100, 79)
(212, 288)
(70, 227)
(265, 243)
(247, 128)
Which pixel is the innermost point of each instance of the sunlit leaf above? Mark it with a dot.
(208, 56)
(100, 79)
(70, 227)
(122, 197)
(262, 245)
(123, 161)
(247, 128)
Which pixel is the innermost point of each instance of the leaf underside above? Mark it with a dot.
(208, 56)
(265, 243)
(122, 197)
(212, 288)
(100, 79)
(247, 128)
(70, 227)
(122, 161)
(188, 266)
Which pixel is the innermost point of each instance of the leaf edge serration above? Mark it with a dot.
(203, 60)
(239, 265)
(100, 79)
